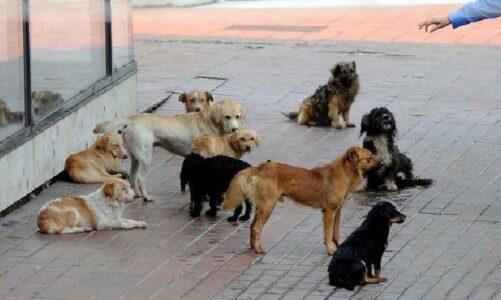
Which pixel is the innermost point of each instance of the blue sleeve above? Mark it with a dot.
(475, 11)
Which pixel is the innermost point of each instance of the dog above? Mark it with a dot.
(363, 249)
(175, 134)
(325, 187)
(330, 100)
(211, 177)
(100, 210)
(45, 101)
(196, 100)
(235, 144)
(7, 116)
(396, 171)
(97, 164)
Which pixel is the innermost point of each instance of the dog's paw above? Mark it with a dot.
(211, 213)
(258, 249)
(244, 218)
(330, 248)
(125, 175)
(194, 213)
(142, 224)
(148, 198)
(350, 125)
(231, 219)
(337, 126)
(383, 279)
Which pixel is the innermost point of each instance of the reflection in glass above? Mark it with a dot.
(11, 68)
(121, 16)
(67, 50)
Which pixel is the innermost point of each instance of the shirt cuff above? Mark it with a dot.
(457, 19)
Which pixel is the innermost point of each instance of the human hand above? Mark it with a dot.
(437, 23)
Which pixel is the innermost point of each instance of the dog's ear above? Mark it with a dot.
(109, 189)
(209, 96)
(364, 125)
(258, 140)
(234, 137)
(336, 70)
(354, 65)
(216, 113)
(351, 156)
(182, 98)
(243, 113)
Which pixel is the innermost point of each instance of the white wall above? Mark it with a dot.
(146, 3)
(41, 158)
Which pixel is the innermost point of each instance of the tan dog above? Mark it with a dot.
(97, 164)
(45, 101)
(97, 211)
(196, 100)
(330, 100)
(173, 133)
(7, 116)
(235, 144)
(325, 187)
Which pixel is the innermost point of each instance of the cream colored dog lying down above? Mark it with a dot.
(100, 210)
(174, 133)
(97, 164)
(234, 144)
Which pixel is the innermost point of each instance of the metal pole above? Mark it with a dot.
(28, 114)
(108, 38)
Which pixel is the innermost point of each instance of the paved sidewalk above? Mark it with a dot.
(447, 104)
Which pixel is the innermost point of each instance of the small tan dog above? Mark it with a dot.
(235, 144)
(97, 164)
(45, 101)
(325, 187)
(100, 210)
(196, 100)
(7, 116)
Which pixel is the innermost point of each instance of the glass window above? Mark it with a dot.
(11, 68)
(67, 50)
(121, 19)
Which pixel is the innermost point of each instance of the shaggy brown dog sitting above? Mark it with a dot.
(330, 100)
(325, 187)
(97, 164)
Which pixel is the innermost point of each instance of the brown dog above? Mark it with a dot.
(196, 100)
(7, 116)
(324, 187)
(330, 100)
(97, 164)
(235, 144)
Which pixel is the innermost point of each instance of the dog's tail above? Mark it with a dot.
(239, 189)
(293, 115)
(411, 182)
(188, 168)
(110, 126)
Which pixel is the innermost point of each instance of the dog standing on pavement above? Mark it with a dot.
(97, 164)
(330, 100)
(325, 187)
(174, 133)
(211, 177)
(363, 250)
(196, 100)
(234, 144)
(396, 171)
(100, 210)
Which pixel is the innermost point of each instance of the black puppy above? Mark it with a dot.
(211, 177)
(396, 167)
(354, 259)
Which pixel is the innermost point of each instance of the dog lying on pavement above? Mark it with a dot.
(362, 251)
(100, 210)
(325, 187)
(234, 144)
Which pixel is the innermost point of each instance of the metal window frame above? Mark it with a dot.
(33, 128)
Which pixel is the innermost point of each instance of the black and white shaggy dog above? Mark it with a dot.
(396, 168)
(210, 177)
(353, 261)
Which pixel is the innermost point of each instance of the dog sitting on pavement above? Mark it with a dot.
(330, 100)
(97, 164)
(396, 168)
(99, 210)
(196, 100)
(234, 144)
(363, 250)
(211, 177)
(325, 187)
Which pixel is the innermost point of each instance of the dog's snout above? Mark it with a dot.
(248, 147)
(126, 156)
(234, 129)
(198, 109)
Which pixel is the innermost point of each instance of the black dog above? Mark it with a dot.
(211, 177)
(352, 262)
(396, 167)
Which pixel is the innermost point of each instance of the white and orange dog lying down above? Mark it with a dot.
(174, 133)
(100, 210)
(196, 100)
(97, 164)
(234, 144)
(325, 187)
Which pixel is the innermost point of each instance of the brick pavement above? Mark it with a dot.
(447, 105)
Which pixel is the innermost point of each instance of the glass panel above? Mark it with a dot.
(67, 50)
(121, 18)
(11, 68)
